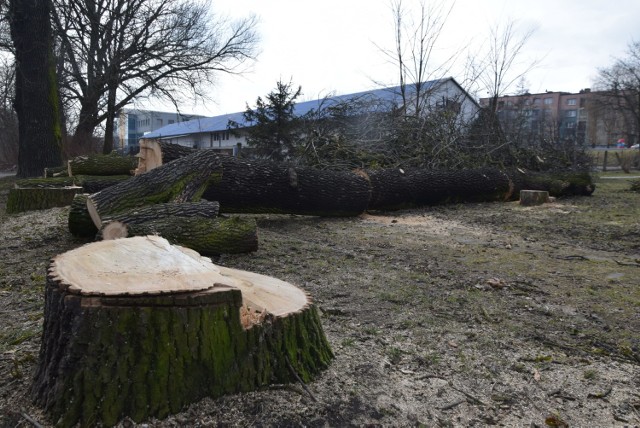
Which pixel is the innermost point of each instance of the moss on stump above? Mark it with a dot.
(140, 328)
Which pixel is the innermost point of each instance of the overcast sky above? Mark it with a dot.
(334, 46)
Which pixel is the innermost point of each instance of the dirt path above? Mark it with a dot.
(462, 315)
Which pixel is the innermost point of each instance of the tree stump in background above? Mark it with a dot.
(141, 328)
(529, 198)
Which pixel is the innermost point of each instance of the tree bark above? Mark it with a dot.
(111, 164)
(268, 187)
(27, 199)
(393, 189)
(182, 181)
(207, 236)
(139, 328)
(80, 223)
(36, 97)
(557, 183)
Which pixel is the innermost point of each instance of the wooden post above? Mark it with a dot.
(530, 198)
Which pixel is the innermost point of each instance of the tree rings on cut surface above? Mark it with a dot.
(141, 328)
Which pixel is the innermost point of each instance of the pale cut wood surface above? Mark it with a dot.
(134, 266)
(151, 265)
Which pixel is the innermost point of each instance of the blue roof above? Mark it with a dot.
(220, 123)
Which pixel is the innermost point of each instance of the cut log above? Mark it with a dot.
(268, 187)
(530, 198)
(80, 223)
(397, 188)
(184, 180)
(208, 236)
(155, 153)
(205, 209)
(58, 171)
(96, 183)
(112, 164)
(22, 199)
(140, 328)
(45, 183)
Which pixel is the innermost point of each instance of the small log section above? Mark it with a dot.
(529, 198)
(154, 153)
(39, 198)
(141, 328)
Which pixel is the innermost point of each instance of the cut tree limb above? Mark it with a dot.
(140, 328)
(80, 223)
(181, 181)
(208, 236)
(112, 164)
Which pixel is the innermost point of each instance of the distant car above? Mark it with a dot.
(635, 146)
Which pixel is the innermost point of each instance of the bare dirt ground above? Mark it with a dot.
(485, 314)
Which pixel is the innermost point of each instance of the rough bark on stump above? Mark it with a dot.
(155, 153)
(530, 198)
(137, 327)
(183, 180)
(45, 183)
(112, 164)
(22, 199)
(207, 236)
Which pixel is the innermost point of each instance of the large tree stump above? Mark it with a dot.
(137, 327)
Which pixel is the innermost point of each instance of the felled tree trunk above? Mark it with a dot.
(397, 188)
(96, 183)
(112, 164)
(22, 199)
(208, 236)
(45, 183)
(268, 187)
(137, 327)
(182, 181)
(155, 153)
(56, 171)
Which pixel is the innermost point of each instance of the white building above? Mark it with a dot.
(214, 132)
(133, 124)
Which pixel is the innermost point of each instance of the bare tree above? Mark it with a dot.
(416, 36)
(36, 92)
(116, 51)
(8, 119)
(619, 87)
(501, 69)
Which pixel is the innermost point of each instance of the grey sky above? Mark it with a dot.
(330, 46)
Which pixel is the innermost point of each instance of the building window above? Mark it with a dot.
(571, 125)
(548, 101)
(571, 102)
(159, 122)
(571, 113)
(536, 101)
